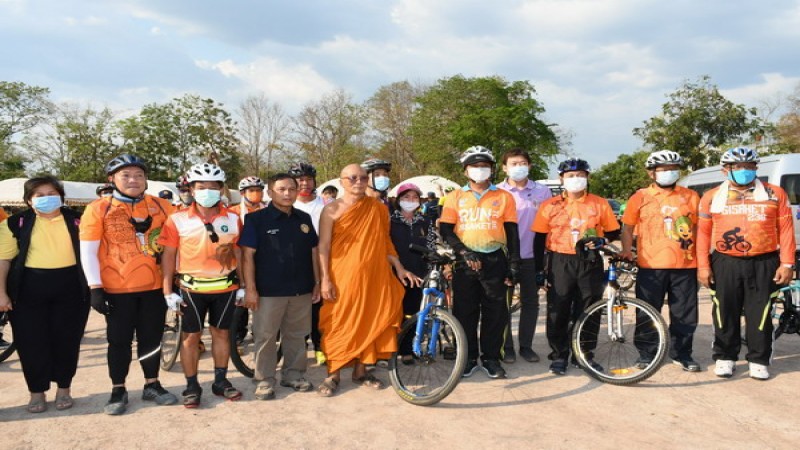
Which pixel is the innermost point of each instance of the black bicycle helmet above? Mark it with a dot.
(302, 170)
(372, 165)
(125, 160)
(103, 188)
(572, 165)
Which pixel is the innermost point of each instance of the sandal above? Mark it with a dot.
(328, 387)
(369, 380)
(64, 402)
(37, 405)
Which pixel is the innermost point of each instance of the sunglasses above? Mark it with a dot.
(355, 178)
(211, 233)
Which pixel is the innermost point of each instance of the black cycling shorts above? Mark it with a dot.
(219, 307)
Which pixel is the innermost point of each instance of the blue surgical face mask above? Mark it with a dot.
(207, 197)
(518, 173)
(381, 183)
(46, 204)
(742, 177)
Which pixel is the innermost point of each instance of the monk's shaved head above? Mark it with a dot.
(352, 169)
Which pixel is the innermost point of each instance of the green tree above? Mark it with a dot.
(12, 163)
(621, 178)
(22, 108)
(786, 132)
(459, 112)
(697, 121)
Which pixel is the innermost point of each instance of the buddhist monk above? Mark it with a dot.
(361, 310)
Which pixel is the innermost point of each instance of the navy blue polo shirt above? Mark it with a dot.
(283, 244)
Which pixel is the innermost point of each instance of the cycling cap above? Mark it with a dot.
(249, 182)
(372, 165)
(125, 160)
(405, 187)
(739, 154)
(302, 170)
(476, 154)
(205, 172)
(165, 194)
(572, 165)
(663, 158)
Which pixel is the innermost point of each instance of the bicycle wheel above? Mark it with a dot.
(171, 339)
(242, 343)
(614, 345)
(432, 376)
(7, 346)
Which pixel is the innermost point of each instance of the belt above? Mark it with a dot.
(207, 284)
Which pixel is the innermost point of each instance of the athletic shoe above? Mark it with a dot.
(509, 356)
(493, 369)
(470, 368)
(758, 371)
(595, 365)
(118, 403)
(558, 367)
(724, 368)
(225, 389)
(528, 354)
(264, 392)
(688, 364)
(299, 385)
(643, 362)
(155, 392)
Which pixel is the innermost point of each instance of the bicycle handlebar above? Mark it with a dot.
(432, 256)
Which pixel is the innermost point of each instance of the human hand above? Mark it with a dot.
(316, 295)
(513, 274)
(5, 303)
(99, 301)
(783, 275)
(625, 255)
(251, 299)
(328, 290)
(705, 277)
(174, 301)
(240, 296)
(472, 259)
(408, 278)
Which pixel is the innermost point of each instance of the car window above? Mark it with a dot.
(791, 184)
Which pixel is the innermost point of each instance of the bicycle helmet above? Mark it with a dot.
(249, 182)
(372, 165)
(166, 194)
(572, 165)
(405, 187)
(182, 182)
(205, 172)
(103, 188)
(739, 154)
(663, 158)
(125, 160)
(302, 170)
(476, 154)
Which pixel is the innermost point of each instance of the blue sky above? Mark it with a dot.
(600, 67)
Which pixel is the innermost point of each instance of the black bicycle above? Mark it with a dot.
(7, 346)
(438, 343)
(171, 339)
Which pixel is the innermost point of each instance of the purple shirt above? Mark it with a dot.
(528, 200)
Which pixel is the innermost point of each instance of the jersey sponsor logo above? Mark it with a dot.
(754, 213)
(304, 228)
(273, 231)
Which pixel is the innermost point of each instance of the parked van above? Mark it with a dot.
(554, 185)
(781, 170)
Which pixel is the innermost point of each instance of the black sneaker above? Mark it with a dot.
(225, 389)
(493, 369)
(528, 354)
(558, 367)
(470, 368)
(156, 393)
(687, 364)
(118, 403)
(596, 366)
(509, 355)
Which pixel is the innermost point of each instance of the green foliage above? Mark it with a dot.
(460, 112)
(621, 178)
(12, 164)
(697, 120)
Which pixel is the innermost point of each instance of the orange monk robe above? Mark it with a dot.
(364, 320)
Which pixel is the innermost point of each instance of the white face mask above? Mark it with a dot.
(408, 206)
(382, 183)
(479, 174)
(667, 178)
(518, 173)
(575, 184)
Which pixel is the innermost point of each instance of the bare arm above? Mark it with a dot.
(247, 270)
(5, 301)
(315, 295)
(326, 220)
(627, 242)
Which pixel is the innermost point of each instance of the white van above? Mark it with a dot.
(554, 185)
(781, 170)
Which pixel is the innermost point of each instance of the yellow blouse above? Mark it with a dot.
(51, 245)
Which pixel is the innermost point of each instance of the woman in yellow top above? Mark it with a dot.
(42, 286)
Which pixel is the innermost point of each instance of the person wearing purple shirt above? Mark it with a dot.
(528, 195)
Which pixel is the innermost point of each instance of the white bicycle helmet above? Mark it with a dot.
(739, 154)
(663, 158)
(205, 172)
(249, 182)
(475, 154)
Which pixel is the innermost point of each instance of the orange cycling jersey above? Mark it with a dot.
(567, 220)
(745, 225)
(666, 222)
(127, 259)
(479, 221)
(203, 254)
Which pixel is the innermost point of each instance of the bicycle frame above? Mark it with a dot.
(614, 320)
(432, 289)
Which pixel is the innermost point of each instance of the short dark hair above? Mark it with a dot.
(34, 183)
(330, 188)
(278, 177)
(516, 151)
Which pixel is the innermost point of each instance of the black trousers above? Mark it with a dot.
(411, 302)
(316, 335)
(743, 285)
(574, 284)
(49, 319)
(481, 298)
(142, 313)
(680, 288)
(529, 310)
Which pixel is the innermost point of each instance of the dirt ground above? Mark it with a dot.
(530, 409)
